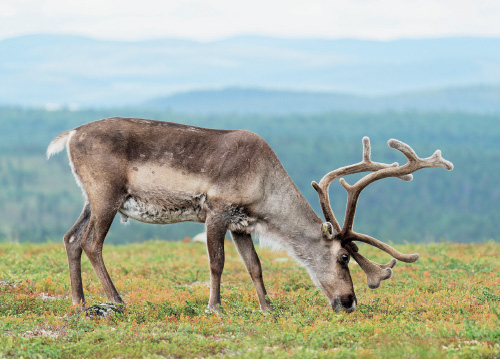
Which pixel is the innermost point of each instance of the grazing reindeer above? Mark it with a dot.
(161, 172)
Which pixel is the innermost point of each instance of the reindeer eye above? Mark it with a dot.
(344, 259)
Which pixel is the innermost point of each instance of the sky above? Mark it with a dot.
(217, 19)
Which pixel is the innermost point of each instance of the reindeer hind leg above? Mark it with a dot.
(103, 213)
(72, 241)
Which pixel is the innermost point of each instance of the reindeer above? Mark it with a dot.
(161, 172)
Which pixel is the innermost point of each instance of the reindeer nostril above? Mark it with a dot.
(347, 300)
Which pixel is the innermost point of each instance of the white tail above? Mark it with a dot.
(58, 144)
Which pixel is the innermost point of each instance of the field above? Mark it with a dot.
(447, 304)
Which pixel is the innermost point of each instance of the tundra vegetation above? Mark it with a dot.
(447, 304)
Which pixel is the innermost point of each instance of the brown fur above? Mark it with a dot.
(161, 172)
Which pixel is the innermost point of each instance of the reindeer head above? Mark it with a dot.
(329, 269)
(336, 281)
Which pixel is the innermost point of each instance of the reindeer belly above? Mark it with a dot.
(168, 208)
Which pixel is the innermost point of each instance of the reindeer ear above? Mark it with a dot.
(327, 231)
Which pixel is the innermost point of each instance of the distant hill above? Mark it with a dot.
(473, 99)
(41, 69)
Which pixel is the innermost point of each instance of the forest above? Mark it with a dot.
(39, 200)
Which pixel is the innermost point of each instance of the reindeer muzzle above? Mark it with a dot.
(344, 302)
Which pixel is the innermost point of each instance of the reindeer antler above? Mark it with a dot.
(364, 166)
(374, 271)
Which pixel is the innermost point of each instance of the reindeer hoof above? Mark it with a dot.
(213, 309)
(103, 310)
(267, 309)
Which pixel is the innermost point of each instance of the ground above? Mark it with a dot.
(447, 304)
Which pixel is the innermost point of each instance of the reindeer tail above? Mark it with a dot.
(58, 144)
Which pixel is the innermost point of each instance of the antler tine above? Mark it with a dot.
(365, 165)
(414, 164)
(436, 160)
(324, 201)
(407, 258)
(375, 273)
(366, 149)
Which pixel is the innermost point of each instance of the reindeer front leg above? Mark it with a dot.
(216, 230)
(246, 249)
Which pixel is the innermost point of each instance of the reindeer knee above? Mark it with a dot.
(69, 238)
(72, 245)
(217, 267)
(92, 250)
(255, 273)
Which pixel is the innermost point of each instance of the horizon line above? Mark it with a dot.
(248, 35)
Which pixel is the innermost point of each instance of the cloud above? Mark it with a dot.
(207, 20)
(7, 10)
(195, 10)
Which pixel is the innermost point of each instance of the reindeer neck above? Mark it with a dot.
(287, 216)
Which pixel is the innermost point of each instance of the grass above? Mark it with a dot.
(447, 304)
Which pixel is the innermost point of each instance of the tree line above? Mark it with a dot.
(40, 201)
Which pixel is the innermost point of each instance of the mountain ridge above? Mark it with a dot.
(471, 99)
(64, 69)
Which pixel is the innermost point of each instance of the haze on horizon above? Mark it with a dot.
(202, 20)
(59, 69)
